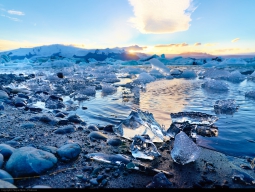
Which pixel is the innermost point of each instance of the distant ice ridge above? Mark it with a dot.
(215, 85)
(185, 150)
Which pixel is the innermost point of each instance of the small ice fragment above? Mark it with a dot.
(250, 94)
(188, 74)
(140, 123)
(242, 177)
(175, 72)
(142, 147)
(185, 150)
(225, 106)
(108, 158)
(89, 91)
(193, 118)
(215, 85)
(108, 88)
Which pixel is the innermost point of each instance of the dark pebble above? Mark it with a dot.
(65, 129)
(92, 128)
(60, 75)
(63, 122)
(97, 135)
(109, 128)
(74, 119)
(60, 114)
(93, 181)
(114, 142)
(84, 108)
(100, 178)
(69, 151)
(6, 150)
(104, 182)
(87, 169)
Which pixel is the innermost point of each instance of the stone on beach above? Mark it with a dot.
(69, 151)
(6, 150)
(29, 161)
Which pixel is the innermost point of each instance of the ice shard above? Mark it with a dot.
(142, 147)
(225, 107)
(117, 159)
(185, 150)
(193, 123)
(140, 123)
(193, 118)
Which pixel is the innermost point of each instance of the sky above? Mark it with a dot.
(156, 26)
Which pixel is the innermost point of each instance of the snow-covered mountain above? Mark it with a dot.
(71, 51)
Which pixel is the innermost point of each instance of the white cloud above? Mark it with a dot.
(11, 18)
(12, 12)
(161, 16)
(235, 40)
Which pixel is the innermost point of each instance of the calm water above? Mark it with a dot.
(162, 97)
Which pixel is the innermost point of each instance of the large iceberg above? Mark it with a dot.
(140, 123)
(185, 150)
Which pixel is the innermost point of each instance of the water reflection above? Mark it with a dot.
(164, 97)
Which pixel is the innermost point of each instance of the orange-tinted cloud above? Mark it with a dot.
(197, 44)
(173, 45)
(235, 40)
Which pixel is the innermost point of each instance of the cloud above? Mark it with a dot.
(197, 44)
(165, 16)
(134, 48)
(227, 50)
(173, 45)
(11, 18)
(210, 44)
(235, 40)
(12, 12)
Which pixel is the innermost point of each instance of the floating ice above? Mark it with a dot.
(216, 85)
(175, 72)
(216, 73)
(159, 66)
(142, 147)
(140, 123)
(193, 118)
(225, 106)
(250, 94)
(108, 88)
(236, 76)
(233, 61)
(132, 70)
(144, 78)
(185, 150)
(188, 74)
(193, 123)
(156, 73)
(89, 91)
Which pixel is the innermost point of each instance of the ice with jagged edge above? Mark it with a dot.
(227, 106)
(140, 123)
(108, 88)
(184, 150)
(215, 74)
(236, 76)
(142, 147)
(159, 66)
(144, 78)
(216, 85)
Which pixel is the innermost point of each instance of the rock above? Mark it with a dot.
(6, 150)
(243, 178)
(1, 160)
(65, 129)
(48, 120)
(60, 75)
(69, 151)
(6, 176)
(60, 114)
(63, 122)
(97, 135)
(93, 128)
(54, 102)
(3, 95)
(160, 181)
(29, 161)
(104, 182)
(93, 181)
(6, 185)
(114, 142)
(28, 125)
(109, 128)
(74, 119)
(41, 186)
(21, 95)
(49, 149)
(12, 143)
(100, 178)
(20, 102)
(84, 108)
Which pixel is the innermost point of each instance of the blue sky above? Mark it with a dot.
(162, 26)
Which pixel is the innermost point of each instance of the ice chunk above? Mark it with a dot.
(233, 61)
(193, 118)
(117, 159)
(185, 150)
(225, 106)
(89, 91)
(156, 64)
(144, 78)
(216, 73)
(140, 123)
(236, 76)
(175, 72)
(156, 73)
(250, 94)
(216, 85)
(108, 89)
(132, 70)
(188, 74)
(142, 147)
